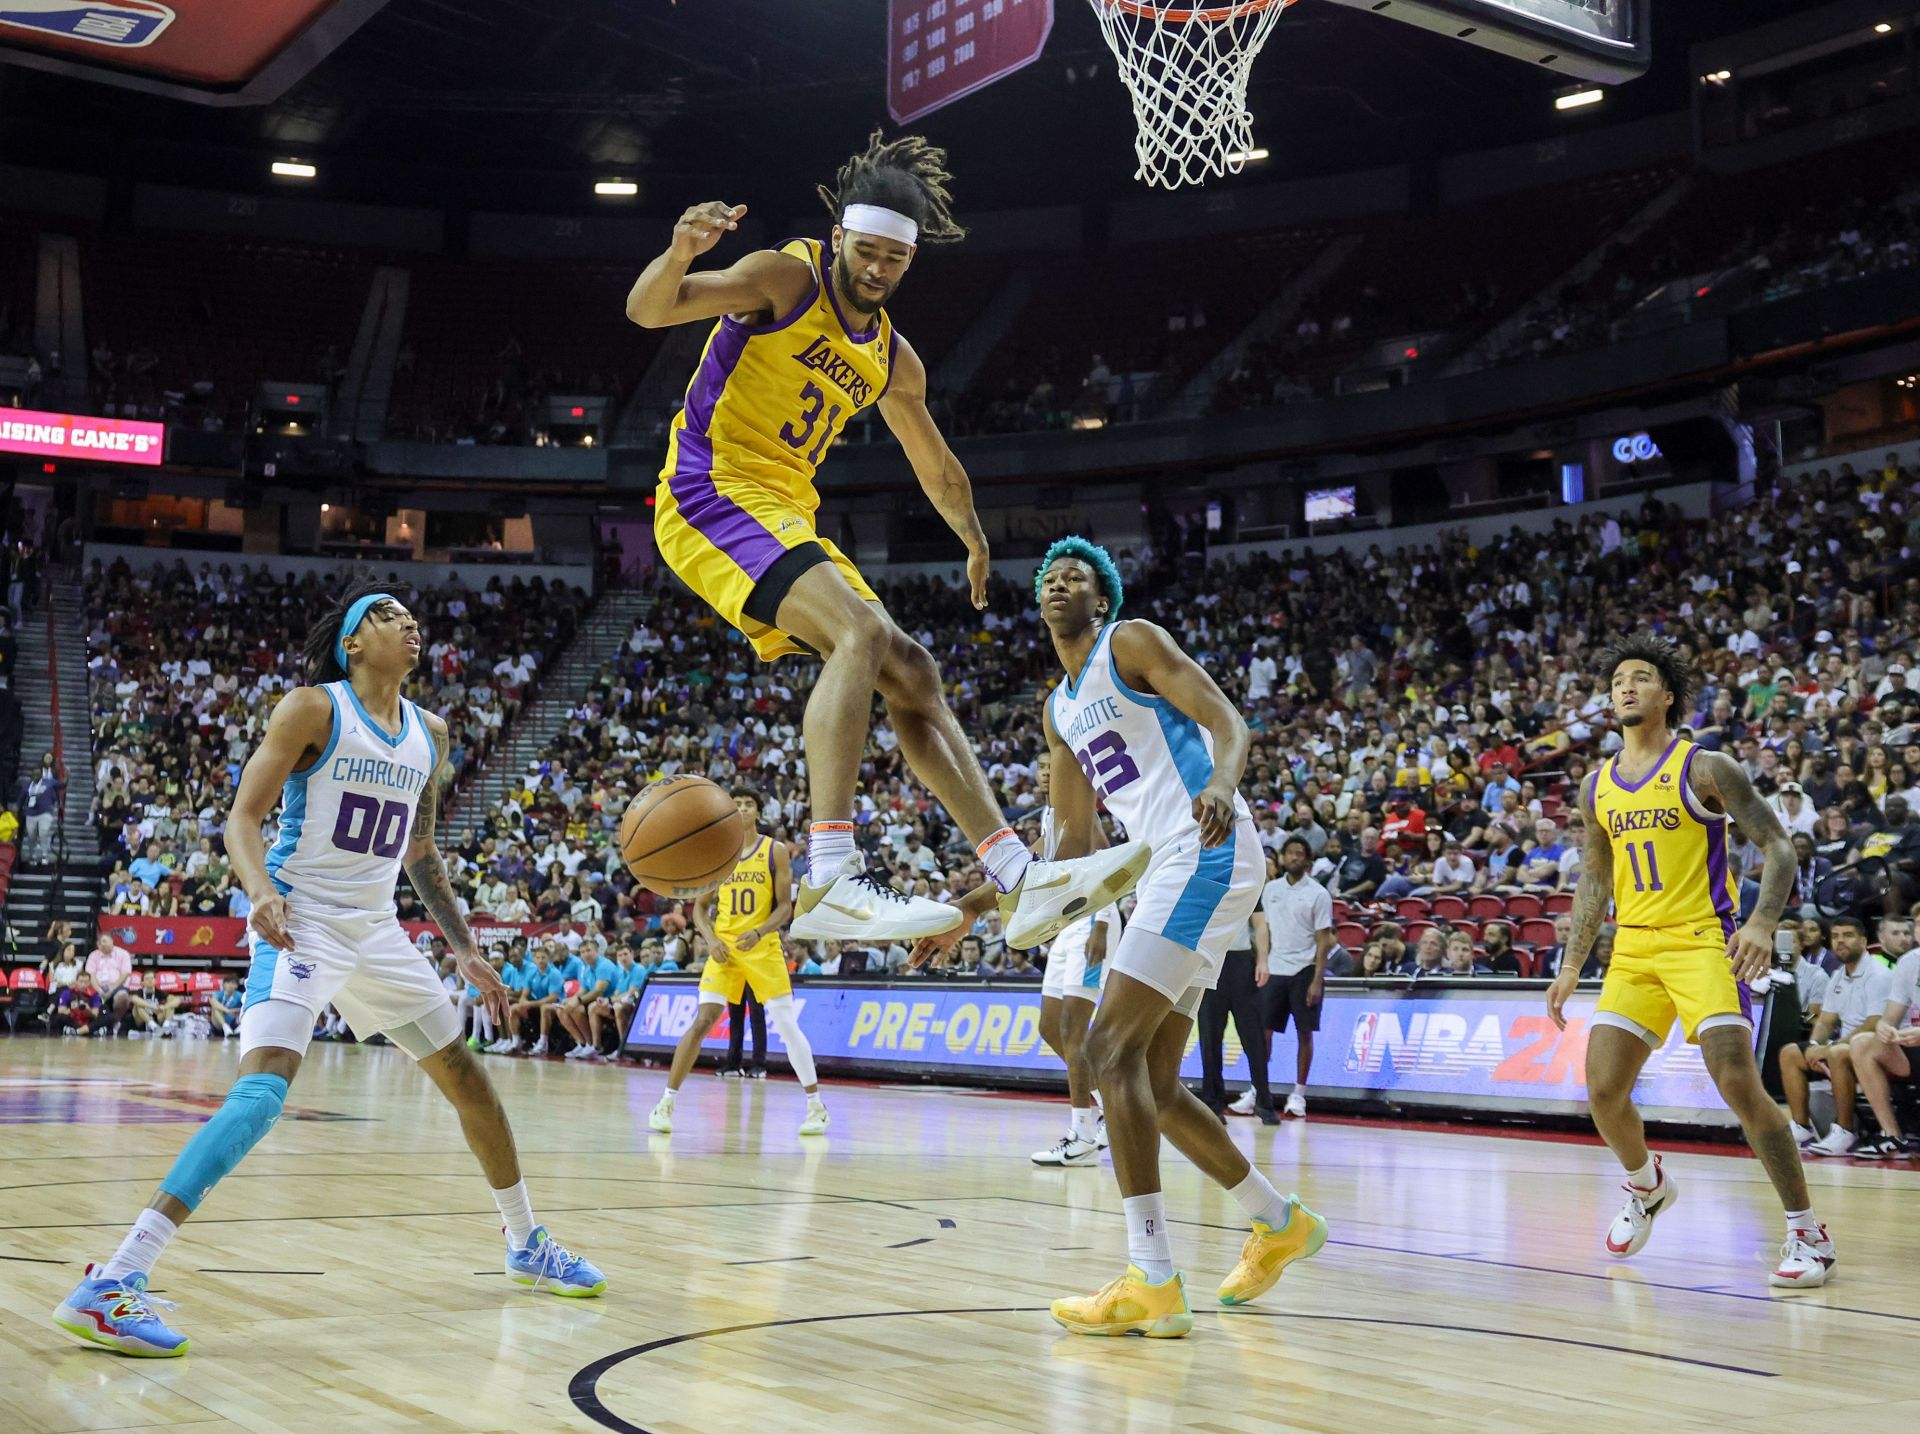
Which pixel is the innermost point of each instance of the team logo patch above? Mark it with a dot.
(118, 24)
(300, 970)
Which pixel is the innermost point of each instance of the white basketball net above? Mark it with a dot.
(1187, 71)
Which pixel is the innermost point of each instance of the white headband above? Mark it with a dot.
(885, 223)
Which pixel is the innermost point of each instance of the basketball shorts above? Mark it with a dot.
(740, 546)
(362, 962)
(764, 968)
(1067, 974)
(1189, 909)
(1657, 974)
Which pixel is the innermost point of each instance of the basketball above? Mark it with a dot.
(681, 836)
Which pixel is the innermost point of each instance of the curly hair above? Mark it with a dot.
(907, 175)
(1095, 557)
(317, 652)
(1664, 658)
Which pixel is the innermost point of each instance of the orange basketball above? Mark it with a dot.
(681, 837)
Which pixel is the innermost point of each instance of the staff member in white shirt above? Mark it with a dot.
(1855, 995)
(1292, 933)
(1880, 1057)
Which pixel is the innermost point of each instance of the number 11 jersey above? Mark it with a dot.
(1145, 758)
(1670, 866)
(344, 820)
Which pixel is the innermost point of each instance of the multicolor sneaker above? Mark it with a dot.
(1806, 1259)
(1267, 1252)
(119, 1315)
(545, 1261)
(1129, 1305)
(1634, 1223)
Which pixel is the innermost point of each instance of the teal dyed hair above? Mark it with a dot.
(1095, 557)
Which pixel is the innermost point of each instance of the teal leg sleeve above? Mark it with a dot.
(251, 1108)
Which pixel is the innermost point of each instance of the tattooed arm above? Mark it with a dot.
(428, 873)
(1722, 782)
(1590, 898)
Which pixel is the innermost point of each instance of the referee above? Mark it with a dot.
(1292, 933)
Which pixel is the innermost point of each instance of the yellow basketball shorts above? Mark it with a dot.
(740, 545)
(765, 968)
(1658, 973)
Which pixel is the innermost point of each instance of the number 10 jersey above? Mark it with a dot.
(344, 820)
(1145, 758)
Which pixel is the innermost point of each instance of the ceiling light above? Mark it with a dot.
(1245, 156)
(616, 188)
(294, 169)
(1883, 28)
(1578, 99)
(1718, 77)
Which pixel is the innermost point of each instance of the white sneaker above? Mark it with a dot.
(1244, 1105)
(579, 1053)
(661, 1117)
(606, 1058)
(505, 1046)
(1802, 1136)
(1100, 1133)
(1633, 1224)
(1806, 1259)
(1297, 1106)
(816, 1121)
(1839, 1141)
(1055, 894)
(538, 1048)
(1068, 1150)
(854, 906)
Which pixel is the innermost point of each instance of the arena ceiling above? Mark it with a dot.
(519, 103)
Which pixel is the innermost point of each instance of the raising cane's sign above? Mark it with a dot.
(72, 435)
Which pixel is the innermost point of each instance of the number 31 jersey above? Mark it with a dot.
(344, 821)
(1146, 758)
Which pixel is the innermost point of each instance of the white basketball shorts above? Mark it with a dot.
(1067, 974)
(363, 962)
(1189, 908)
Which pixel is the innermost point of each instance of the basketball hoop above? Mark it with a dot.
(1186, 69)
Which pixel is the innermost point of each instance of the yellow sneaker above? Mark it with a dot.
(1269, 1251)
(1129, 1305)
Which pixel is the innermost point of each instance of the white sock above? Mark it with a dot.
(1646, 1177)
(814, 1102)
(149, 1236)
(668, 1096)
(1083, 1123)
(1802, 1220)
(1005, 857)
(517, 1210)
(828, 845)
(1149, 1246)
(1261, 1201)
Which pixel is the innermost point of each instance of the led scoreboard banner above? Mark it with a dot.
(75, 436)
(939, 50)
(1484, 1045)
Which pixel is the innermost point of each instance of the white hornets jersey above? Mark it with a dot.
(1146, 758)
(345, 820)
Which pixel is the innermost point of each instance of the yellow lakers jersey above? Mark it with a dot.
(1670, 866)
(768, 399)
(746, 898)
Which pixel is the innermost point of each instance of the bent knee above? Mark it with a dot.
(909, 672)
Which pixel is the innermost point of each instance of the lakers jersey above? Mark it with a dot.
(1670, 866)
(746, 898)
(768, 399)
(344, 821)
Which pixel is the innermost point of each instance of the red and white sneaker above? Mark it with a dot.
(1633, 1224)
(1806, 1259)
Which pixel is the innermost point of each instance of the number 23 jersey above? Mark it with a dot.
(1145, 758)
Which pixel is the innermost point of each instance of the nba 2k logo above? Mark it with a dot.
(121, 24)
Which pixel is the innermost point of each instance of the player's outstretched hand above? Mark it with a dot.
(1214, 811)
(1750, 951)
(1558, 992)
(928, 947)
(478, 973)
(979, 569)
(270, 920)
(703, 226)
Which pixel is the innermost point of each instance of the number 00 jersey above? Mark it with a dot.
(1670, 866)
(344, 821)
(1146, 758)
(747, 898)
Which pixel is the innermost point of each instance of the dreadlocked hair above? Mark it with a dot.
(907, 175)
(1664, 658)
(317, 652)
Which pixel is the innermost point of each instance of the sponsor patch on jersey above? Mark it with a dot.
(118, 24)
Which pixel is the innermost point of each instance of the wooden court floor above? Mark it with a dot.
(894, 1275)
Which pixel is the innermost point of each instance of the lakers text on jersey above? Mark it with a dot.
(743, 902)
(1675, 900)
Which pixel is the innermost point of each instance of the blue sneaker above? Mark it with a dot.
(116, 1313)
(546, 1261)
